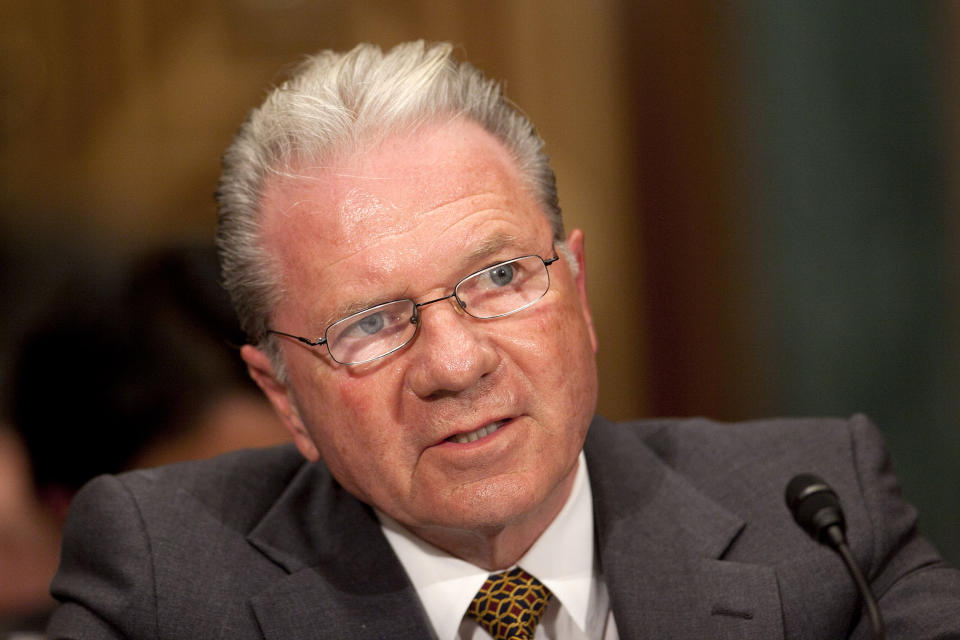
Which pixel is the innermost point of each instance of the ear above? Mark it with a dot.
(575, 242)
(281, 397)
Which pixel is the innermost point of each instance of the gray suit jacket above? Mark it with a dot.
(692, 534)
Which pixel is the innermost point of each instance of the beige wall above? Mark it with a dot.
(114, 115)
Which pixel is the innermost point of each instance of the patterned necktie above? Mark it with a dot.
(509, 605)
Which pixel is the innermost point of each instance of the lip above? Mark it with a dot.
(504, 423)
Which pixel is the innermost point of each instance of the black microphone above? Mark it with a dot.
(816, 508)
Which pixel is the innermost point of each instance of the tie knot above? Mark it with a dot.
(509, 605)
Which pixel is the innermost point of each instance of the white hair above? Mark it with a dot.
(333, 105)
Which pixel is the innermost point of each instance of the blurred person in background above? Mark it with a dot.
(29, 544)
(116, 378)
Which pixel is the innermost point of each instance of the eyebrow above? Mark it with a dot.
(490, 246)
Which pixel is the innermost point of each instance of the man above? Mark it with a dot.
(390, 235)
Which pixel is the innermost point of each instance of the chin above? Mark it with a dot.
(490, 506)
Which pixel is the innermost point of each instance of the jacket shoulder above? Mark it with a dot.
(236, 487)
(700, 446)
(745, 466)
(172, 538)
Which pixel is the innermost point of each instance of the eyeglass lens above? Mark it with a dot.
(372, 333)
(504, 288)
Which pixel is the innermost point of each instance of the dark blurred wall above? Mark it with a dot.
(847, 124)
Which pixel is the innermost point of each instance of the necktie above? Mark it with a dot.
(509, 605)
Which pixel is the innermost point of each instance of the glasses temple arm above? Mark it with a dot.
(308, 341)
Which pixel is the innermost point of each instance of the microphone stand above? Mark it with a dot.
(816, 508)
(837, 541)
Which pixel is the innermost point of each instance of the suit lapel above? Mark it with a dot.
(661, 545)
(343, 578)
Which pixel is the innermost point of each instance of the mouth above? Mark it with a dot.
(482, 432)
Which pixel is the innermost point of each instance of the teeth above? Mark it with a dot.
(464, 438)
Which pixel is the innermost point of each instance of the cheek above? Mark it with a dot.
(561, 332)
(369, 394)
(360, 418)
(351, 397)
(570, 369)
(353, 434)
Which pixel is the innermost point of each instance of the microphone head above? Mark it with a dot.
(815, 507)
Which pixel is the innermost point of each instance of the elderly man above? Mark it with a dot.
(390, 234)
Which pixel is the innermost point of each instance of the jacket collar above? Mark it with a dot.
(343, 578)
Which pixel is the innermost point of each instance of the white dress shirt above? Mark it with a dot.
(562, 558)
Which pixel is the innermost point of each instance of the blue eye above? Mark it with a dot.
(371, 324)
(501, 275)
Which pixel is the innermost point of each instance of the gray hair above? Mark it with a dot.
(332, 105)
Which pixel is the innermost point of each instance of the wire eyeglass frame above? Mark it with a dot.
(355, 318)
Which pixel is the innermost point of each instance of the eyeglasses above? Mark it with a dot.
(497, 291)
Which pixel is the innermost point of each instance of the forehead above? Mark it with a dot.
(423, 195)
(389, 189)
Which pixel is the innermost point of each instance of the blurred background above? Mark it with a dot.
(768, 189)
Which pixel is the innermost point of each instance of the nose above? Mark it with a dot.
(451, 354)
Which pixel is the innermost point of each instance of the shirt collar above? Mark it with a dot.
(561, 558)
